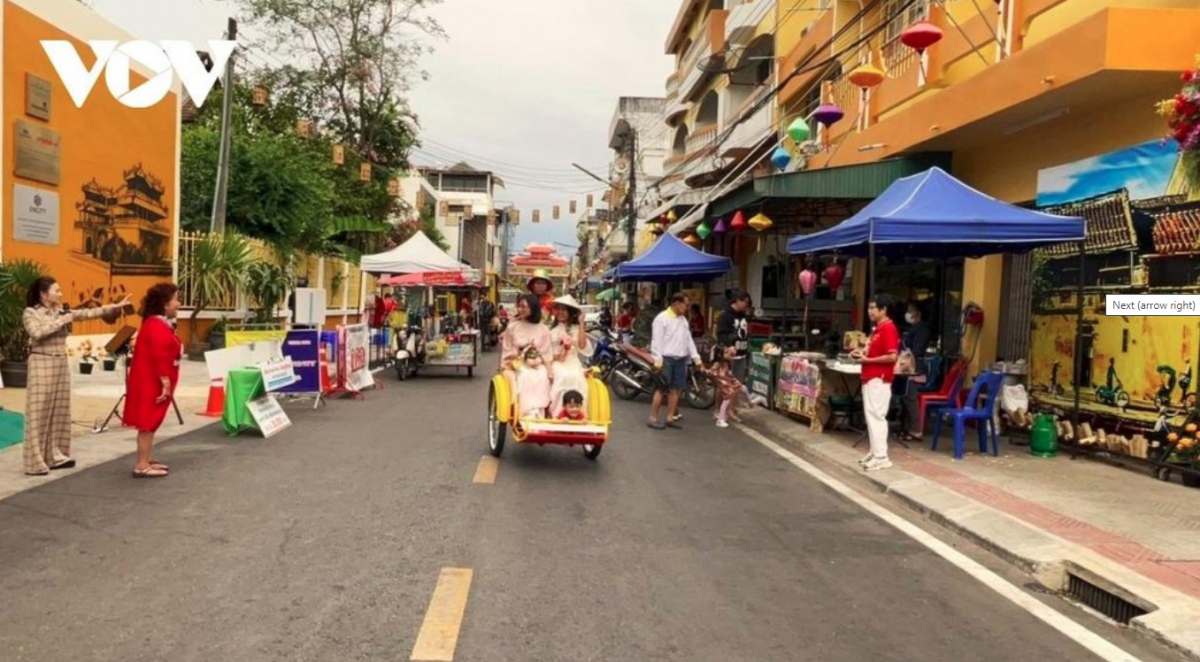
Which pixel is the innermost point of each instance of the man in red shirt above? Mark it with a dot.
(878, 366)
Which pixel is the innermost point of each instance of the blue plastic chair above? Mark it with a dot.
(984, 416)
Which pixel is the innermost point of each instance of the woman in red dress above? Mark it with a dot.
(153, 374)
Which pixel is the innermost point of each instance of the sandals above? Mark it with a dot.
(160, 465)
(150, 471)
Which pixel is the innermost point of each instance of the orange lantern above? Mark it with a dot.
(339, 154)
(692, 240)
(259, 96)
(867, 76)
(304, 128)
(394, 187)
(364, 172)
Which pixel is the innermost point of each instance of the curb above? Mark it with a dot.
(1171, 615)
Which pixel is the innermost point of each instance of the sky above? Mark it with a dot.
(522, 88)
(1144, 169)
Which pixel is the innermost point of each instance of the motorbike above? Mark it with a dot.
(606, 354)
(411, 355)
(633, 374)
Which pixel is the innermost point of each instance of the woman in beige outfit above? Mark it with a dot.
(48, 389)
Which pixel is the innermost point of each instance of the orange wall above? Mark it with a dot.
(100, 142)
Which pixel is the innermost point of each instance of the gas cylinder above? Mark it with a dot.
(1043, 438)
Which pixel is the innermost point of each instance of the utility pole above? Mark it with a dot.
(220, 197)
(631, 202)
(505, 219)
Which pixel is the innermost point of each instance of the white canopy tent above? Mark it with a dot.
(417, 255)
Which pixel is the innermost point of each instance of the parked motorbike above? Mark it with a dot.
(633, 374)
(411, 355)
(606, 354)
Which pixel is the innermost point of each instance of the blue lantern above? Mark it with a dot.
(781, 158)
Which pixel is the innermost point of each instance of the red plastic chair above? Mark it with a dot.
(948, 395)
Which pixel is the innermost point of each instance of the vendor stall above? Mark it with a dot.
(441, 338)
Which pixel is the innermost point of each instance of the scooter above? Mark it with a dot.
(606, 354)
(633, 374)
(411, 354)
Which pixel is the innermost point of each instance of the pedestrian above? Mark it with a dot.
(696, 321)
(672, 346)
(916, 340)
(153, 375)
(733, 330)
(727, 385)
(878, 366)
(625, 322)
(47, 321)
(525, 331)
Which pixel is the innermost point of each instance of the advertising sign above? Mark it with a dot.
(277, 374)
(352, 360)
(269, 416)
(303, 348)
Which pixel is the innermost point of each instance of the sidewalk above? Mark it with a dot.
(93, 397)
(1131, 535)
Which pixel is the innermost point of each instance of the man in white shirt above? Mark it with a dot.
(672, 347)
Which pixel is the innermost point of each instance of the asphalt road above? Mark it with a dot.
(326, 543)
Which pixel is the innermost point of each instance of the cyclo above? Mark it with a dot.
(591, 434)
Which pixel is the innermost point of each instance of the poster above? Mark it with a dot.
(352, 360)
(35, 215)
(269, 416)
(303, 347)
(277, 374)
(759, 380)
(1143, 236)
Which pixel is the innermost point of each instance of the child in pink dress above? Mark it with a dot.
(721, 373)
(533, 385)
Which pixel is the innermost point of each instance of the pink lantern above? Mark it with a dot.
(834, 275)
(808, 280)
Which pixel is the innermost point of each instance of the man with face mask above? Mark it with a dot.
(916, 340)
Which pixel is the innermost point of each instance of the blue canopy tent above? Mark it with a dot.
(934, 215)
(671, 260)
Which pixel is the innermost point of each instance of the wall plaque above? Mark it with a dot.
(38, 153)
(37, 97)
(35, 215)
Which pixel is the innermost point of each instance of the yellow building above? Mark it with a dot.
(94, 190)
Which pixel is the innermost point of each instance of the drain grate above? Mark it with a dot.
(1112, 606)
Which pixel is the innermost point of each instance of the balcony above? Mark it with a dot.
(673, 85)
(676, 109)
(744, 17)
(701, 137)
(813, 36)
(711, 40)
(756, 128)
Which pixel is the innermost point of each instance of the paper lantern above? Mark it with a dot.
(672, 216)
(781, 158)
(760, 222)
(571, 207)
(704, 230)
(867, 76)
(798, 130)
(738, 224)
(259, 96)
(808, 281)
(589, 200)
(721, 227)
(834, 275)
(364, 172)
(394, 190)
(828, 114)
(304, 128)
(339, 154)
(692, 240)
(537, 216)
(921, 35)
(554, 213)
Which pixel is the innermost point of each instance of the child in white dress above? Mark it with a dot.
(533, 385)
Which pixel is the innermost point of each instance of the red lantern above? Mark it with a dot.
(920, 36)
(738, 224)
(834, 275)
(808, 280)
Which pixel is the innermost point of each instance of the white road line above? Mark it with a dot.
(1103, 649)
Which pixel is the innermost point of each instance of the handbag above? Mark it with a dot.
(906, 363)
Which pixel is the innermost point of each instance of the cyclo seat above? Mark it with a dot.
(640, 353)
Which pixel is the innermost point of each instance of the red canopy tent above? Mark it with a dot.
(435, 279)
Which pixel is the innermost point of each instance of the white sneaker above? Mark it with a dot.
(722, 424)
(865, 459)
(877, 464)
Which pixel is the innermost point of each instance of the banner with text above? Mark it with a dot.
(352, 359)
(303, 347)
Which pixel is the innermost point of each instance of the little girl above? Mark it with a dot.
(533, 385)
(722, 375)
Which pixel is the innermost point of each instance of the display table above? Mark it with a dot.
(808, 385)
(241, 386)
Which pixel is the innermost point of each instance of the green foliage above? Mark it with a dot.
(268, 285)
(16, 277)
(218, 263)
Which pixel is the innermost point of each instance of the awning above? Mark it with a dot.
(863, 181)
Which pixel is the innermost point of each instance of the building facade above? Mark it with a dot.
(539, 258)
(91, 193)
(461, 199)
(635, 135)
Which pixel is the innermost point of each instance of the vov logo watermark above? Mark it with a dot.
(165, 60)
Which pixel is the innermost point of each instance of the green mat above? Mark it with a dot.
(12, 428)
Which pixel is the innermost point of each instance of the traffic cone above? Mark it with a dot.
(216, 399)
(326, 385)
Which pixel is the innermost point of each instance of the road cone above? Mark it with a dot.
(216, 399)
(326, 381)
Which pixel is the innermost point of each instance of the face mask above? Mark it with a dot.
(908, 317)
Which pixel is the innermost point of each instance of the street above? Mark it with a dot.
(326, 543)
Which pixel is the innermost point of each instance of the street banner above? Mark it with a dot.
(352, 359)
(303, 347)
(277, 374)
(269, 416)
(236, 338)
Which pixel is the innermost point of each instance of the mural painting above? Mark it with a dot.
(112, 228)
(1143, 237)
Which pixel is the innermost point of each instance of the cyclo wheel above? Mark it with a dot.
(496, 429)
(592, 451)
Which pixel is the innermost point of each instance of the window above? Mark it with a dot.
(898, 18)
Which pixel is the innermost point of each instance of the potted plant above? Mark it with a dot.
(16, 277)
(216, 265)
(110, 363)
(268, 286)
(216, 335)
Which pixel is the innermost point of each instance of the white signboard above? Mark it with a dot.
(269, 416)
(35, 215)
(358, 345)
(277, 374)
